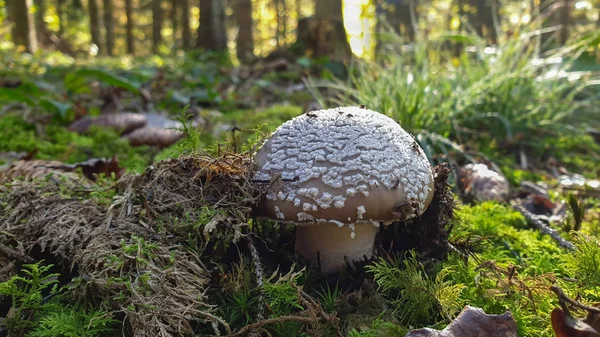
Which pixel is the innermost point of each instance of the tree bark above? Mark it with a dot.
(329, 33)
(564, 18)
(245, 39)
(109, 27)
(94, 23)
(175, 19)
(60, 12)
(186, 33)
(23, 31)
(40, 22)
(211, 31)
(129, 27)
(157, 18)
(483, 20)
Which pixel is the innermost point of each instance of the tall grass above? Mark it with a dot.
(454, 89)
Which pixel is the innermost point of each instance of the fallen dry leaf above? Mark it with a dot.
(473, 322)
(153, 136)
(31, 169)
(122, 122)
(565, 325)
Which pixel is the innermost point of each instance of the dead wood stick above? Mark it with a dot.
(544, 228)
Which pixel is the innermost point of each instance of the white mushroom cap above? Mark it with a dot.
(344, 166)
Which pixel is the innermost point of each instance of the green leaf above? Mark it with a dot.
(59, 108)
(110, 79)
(15, 95)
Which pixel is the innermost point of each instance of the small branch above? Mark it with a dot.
(282, 319)
(562, 296)
(544, 228)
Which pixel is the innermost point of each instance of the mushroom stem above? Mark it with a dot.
(330, 243)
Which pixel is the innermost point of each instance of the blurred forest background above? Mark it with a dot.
(255, 28)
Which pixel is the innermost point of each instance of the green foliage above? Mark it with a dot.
(38, 307)
(28, 296)
(584, 263)
(281, 293)
(329, 298)
(74, 323)
(417, 297)
(511, 93)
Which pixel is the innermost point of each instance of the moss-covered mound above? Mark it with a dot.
(127, 242)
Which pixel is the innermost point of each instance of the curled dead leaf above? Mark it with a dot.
(32, 169)
(473, 322)
(153, 136)
(565, 325)
(122, 122)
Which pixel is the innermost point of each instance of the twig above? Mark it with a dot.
(544, 228)
(562, 296)
(282, 319)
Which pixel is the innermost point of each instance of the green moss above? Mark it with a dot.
(515, 266)
(58, 143)
(271, 117)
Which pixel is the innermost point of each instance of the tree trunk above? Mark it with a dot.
(186, 33)
(245, 40)
(175, 19)
(40, 22)
(402, 19)
(109, 27)
(94, 23)
(484, 19)
(23, 31)
(129, 26)
(60, 12)
(329, 33)
(564, 19)
(211, 31)
(157, 18)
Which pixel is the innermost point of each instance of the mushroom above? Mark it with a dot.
(337, 174)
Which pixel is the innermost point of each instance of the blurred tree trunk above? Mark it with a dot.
(186, 33)
(401, 18)
(564, 19)
(94, 23)
(329, 33)
(278, 25)
(157, 21)
(482, 16)
(109, 27)
(60, 12)
(245, 40)
(129, 27)
(211, 31)
(40, 22)
(23, 30)
(175, 19)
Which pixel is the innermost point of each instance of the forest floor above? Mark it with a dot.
(139, 221)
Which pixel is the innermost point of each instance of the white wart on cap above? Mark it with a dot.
(341, 172)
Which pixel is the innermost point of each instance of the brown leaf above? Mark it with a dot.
(473, 322)
(122, 122)
(565, 325)
(32, 169)
(154, 136)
